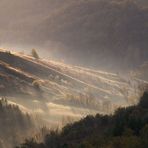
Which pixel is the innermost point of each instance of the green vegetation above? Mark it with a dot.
(127, 128)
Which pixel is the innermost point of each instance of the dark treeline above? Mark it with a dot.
(15, 125)
(127, 128)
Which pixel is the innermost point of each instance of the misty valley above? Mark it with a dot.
(74, 74)
(51, 94)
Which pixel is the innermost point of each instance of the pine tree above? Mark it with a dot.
(34, 54)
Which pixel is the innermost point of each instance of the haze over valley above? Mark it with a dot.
(67, 65)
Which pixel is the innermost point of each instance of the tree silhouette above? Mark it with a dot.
(34, 54)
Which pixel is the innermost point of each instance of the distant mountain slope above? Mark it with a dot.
(113, 31)
(81, 32)
(143, 3)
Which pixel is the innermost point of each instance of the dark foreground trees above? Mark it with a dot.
(127, 128)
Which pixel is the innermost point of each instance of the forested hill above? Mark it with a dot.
(127, 128)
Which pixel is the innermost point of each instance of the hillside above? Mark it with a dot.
(58, 92)
(127, 128)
